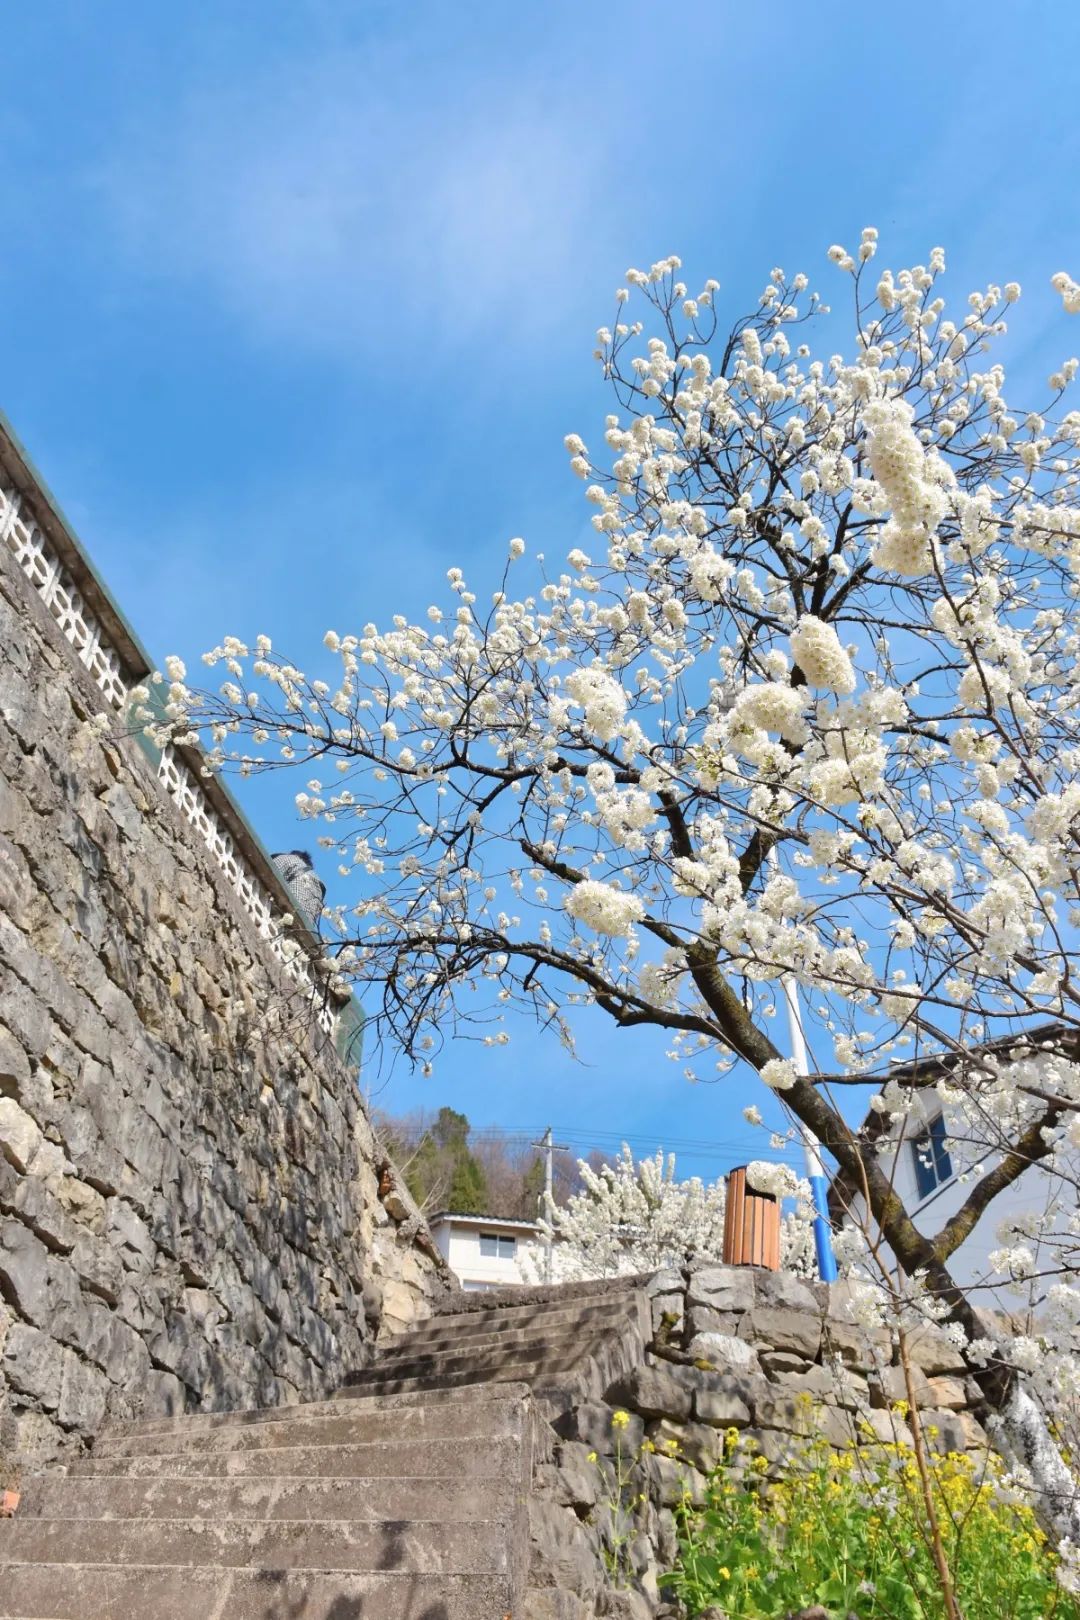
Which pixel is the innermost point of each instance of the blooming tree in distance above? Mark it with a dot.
(808, 704)
(635, 1216)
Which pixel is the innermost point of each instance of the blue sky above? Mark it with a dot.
(298, 303)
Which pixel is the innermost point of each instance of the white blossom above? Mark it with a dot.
(605, 909)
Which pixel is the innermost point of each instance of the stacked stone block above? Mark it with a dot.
(189, 1209)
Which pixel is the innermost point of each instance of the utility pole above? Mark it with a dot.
(815, 1169)
(549, 1149)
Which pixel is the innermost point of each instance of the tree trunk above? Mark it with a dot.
(1021, 1433)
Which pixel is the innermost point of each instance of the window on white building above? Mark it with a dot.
(496, 1247)
(933, 1166)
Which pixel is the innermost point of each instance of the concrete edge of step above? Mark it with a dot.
(485, 1357)
(479, 1391)
(495, 1332)
(531, 1296)
(509, 1317)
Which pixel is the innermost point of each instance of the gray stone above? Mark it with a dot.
(578, 1481)
(777, 1362)
(26, 1015)
(24, 1271)
(781, 1288)
(672, 1482)
(548, 1604)
(43, 1213)
(32, 1363)
(14, 1066)
(703, 1319)
(934, 1352)
(948, 1394)
(775, 1410)
(814, 1381)
(20, 1136)
(84, 1394)
(723, 1352)
(653, 1392)
(615, 1603)
(82, 1202)
(944, 1431)
(725, 1406)
(116, 1348)
(129, 1235)
(97, 1267)
(143, 1024)
(68, 1317)
(890, 1385)
(856, 1346)
(667, 1538)
(784, 1328)
(777, 1446)
(668, 1281)
(700, 1444)
(723, 1288)
(590, 1423)
(563, 1553)
(886, 1426)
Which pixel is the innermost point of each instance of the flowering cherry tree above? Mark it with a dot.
(636, 1216)
(809, 705)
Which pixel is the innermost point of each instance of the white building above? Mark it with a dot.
(486, 1252)
(934, 1175)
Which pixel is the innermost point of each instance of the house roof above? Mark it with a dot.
(1062, 1037)
(482, 1220)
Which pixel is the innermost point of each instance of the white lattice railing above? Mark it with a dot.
(43, 567)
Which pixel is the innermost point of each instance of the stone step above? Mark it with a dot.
(504, 1318)
(324, 1544)
(335, 1425)
(99, 1592)
(490, 1359)
(409, 1346)
(538, 1374)
(476, 1458)
(451, 1497)
(402, 1404)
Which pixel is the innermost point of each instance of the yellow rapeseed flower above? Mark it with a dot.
(620, 1419)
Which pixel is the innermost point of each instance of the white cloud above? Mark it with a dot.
(346, 199)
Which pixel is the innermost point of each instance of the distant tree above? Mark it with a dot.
(634, 1215)
(450, 1130)
(468, 1194)
(510, 1171)
(436, 1160)
(532, 1187)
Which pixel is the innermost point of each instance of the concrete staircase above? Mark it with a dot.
(404, 1498)
(555, 1340)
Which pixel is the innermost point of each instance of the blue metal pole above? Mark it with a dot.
(815, 1169)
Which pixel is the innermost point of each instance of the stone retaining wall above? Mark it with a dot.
(189, 1188)
(762, 1352)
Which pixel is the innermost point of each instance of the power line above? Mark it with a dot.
(710, 1150)
(613, 1136)
(724, 1149)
